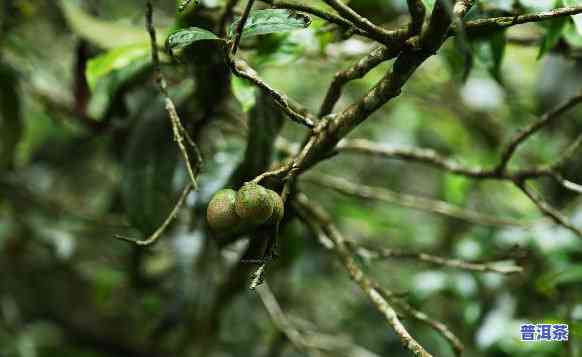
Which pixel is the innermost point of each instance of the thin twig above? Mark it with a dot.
(330, 131)
(383, 253)
(497, 23)
(548, 210)
(257, 276)
(433, 158)
(358, 70)
(534, 127)
(226, 16)
(567, 154)
(280, 320)
(241, 26)
(420, 316)
(306, 341)
(569, 185)
(320, 144)
(241, 69)
(153, 238)
(328, 16)
(319, 220)
(378, 33)
(426, 156)
(177, 127)
(344, 186)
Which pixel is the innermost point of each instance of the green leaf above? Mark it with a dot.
(553, 34)
(116, 59)
(459, 65)
(104, 34)
(244, 92)
(489, 53)
(577, 18)
(497, 44)
(107, 87)
(148, 179)
(185, 37)
(261, 22)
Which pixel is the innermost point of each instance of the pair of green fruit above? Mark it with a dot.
(230, 211)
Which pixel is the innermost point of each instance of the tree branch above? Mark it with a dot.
(329, 131)
(531, 129)
(153, 238)
(498, 23)
(548, 210)
(405, 200)
(384, 253)
(420, 316)
(427, 156)
(177, 127)
(433, 158)
(322, 14)
(356, 71)
(241, 69)
(241, 26)
(567, 154)
(376, 32)
(280, 320)
(319, 220)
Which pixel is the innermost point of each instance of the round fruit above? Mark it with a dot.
(278, 207)
(221, 214)
(253, 204)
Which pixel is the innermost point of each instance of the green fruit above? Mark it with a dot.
(253, 204)
(220, 214)
(278, 207)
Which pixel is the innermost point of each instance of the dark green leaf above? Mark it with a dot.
(553, 34)
(148, 180)
(185, 37)
(459, 61)
(497, 45)
(261, 22)
(489, 53)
